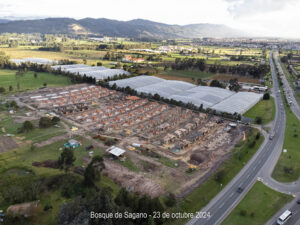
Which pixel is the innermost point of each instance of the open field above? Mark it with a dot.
(192, 76)
(10, 124)
(264, 109)
(28, 82)
(198, 198)
(227, 77)
(258, 206)
(33, 52)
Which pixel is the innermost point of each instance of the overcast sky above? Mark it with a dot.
(258, 17)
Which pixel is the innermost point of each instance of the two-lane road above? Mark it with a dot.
(228, 198)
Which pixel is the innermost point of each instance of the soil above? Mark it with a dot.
(7, 143)
(51, 140)
(48, 163)
(135, 182)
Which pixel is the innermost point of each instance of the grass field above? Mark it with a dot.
(264, 109)
(288, 168)
(9, 126)
(258, 206)
(28, 82)
(197, 199)
(32, 52)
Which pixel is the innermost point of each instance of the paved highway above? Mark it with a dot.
(289, 188)
(228, 198)
(294, 207)
(289, 92)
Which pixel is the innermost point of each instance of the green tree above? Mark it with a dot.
(266, 96)
(66, 159)
(91, 173)
(171, 200)
(258, 120)
(27, 126)
(216, 83)
(45, 122)
(55, 120)
(234, 85)
(90, 176)
(10, 88)
(2, 90)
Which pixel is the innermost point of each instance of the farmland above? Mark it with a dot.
(29, 82)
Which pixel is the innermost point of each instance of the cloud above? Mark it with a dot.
(5, 9)
(242, 8)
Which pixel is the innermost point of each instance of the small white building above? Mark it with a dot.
(115, 151)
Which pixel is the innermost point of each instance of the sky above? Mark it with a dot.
(270, 18)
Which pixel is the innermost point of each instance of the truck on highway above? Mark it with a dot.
(272, 135)
(284, 217)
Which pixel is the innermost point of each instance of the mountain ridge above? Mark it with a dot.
(108, 27)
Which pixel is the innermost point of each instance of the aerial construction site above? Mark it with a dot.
(143, 127)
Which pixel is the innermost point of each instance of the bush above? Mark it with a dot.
(258, 120)
(45, 122)
(27, 126)
(170, 200)
(266, 96)
(2, 89)
(243, 212)
(110, 142)
(288, 170)
(47, 207)
(219, 176)
(11, 104)
(252, 144)
(55, 120)
(257, 136)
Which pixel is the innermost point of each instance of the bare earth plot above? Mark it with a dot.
(7, 143)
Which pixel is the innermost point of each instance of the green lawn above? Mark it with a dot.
(197, 199)
(264, 109)
(258, 206)
(288, 167)
(28, 82)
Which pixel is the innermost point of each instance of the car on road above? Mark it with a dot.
(239, 190)
(298, 201)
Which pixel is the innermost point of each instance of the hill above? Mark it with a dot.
(107, 27)
(4, 21)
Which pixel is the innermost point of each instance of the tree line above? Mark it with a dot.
(257, 70)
